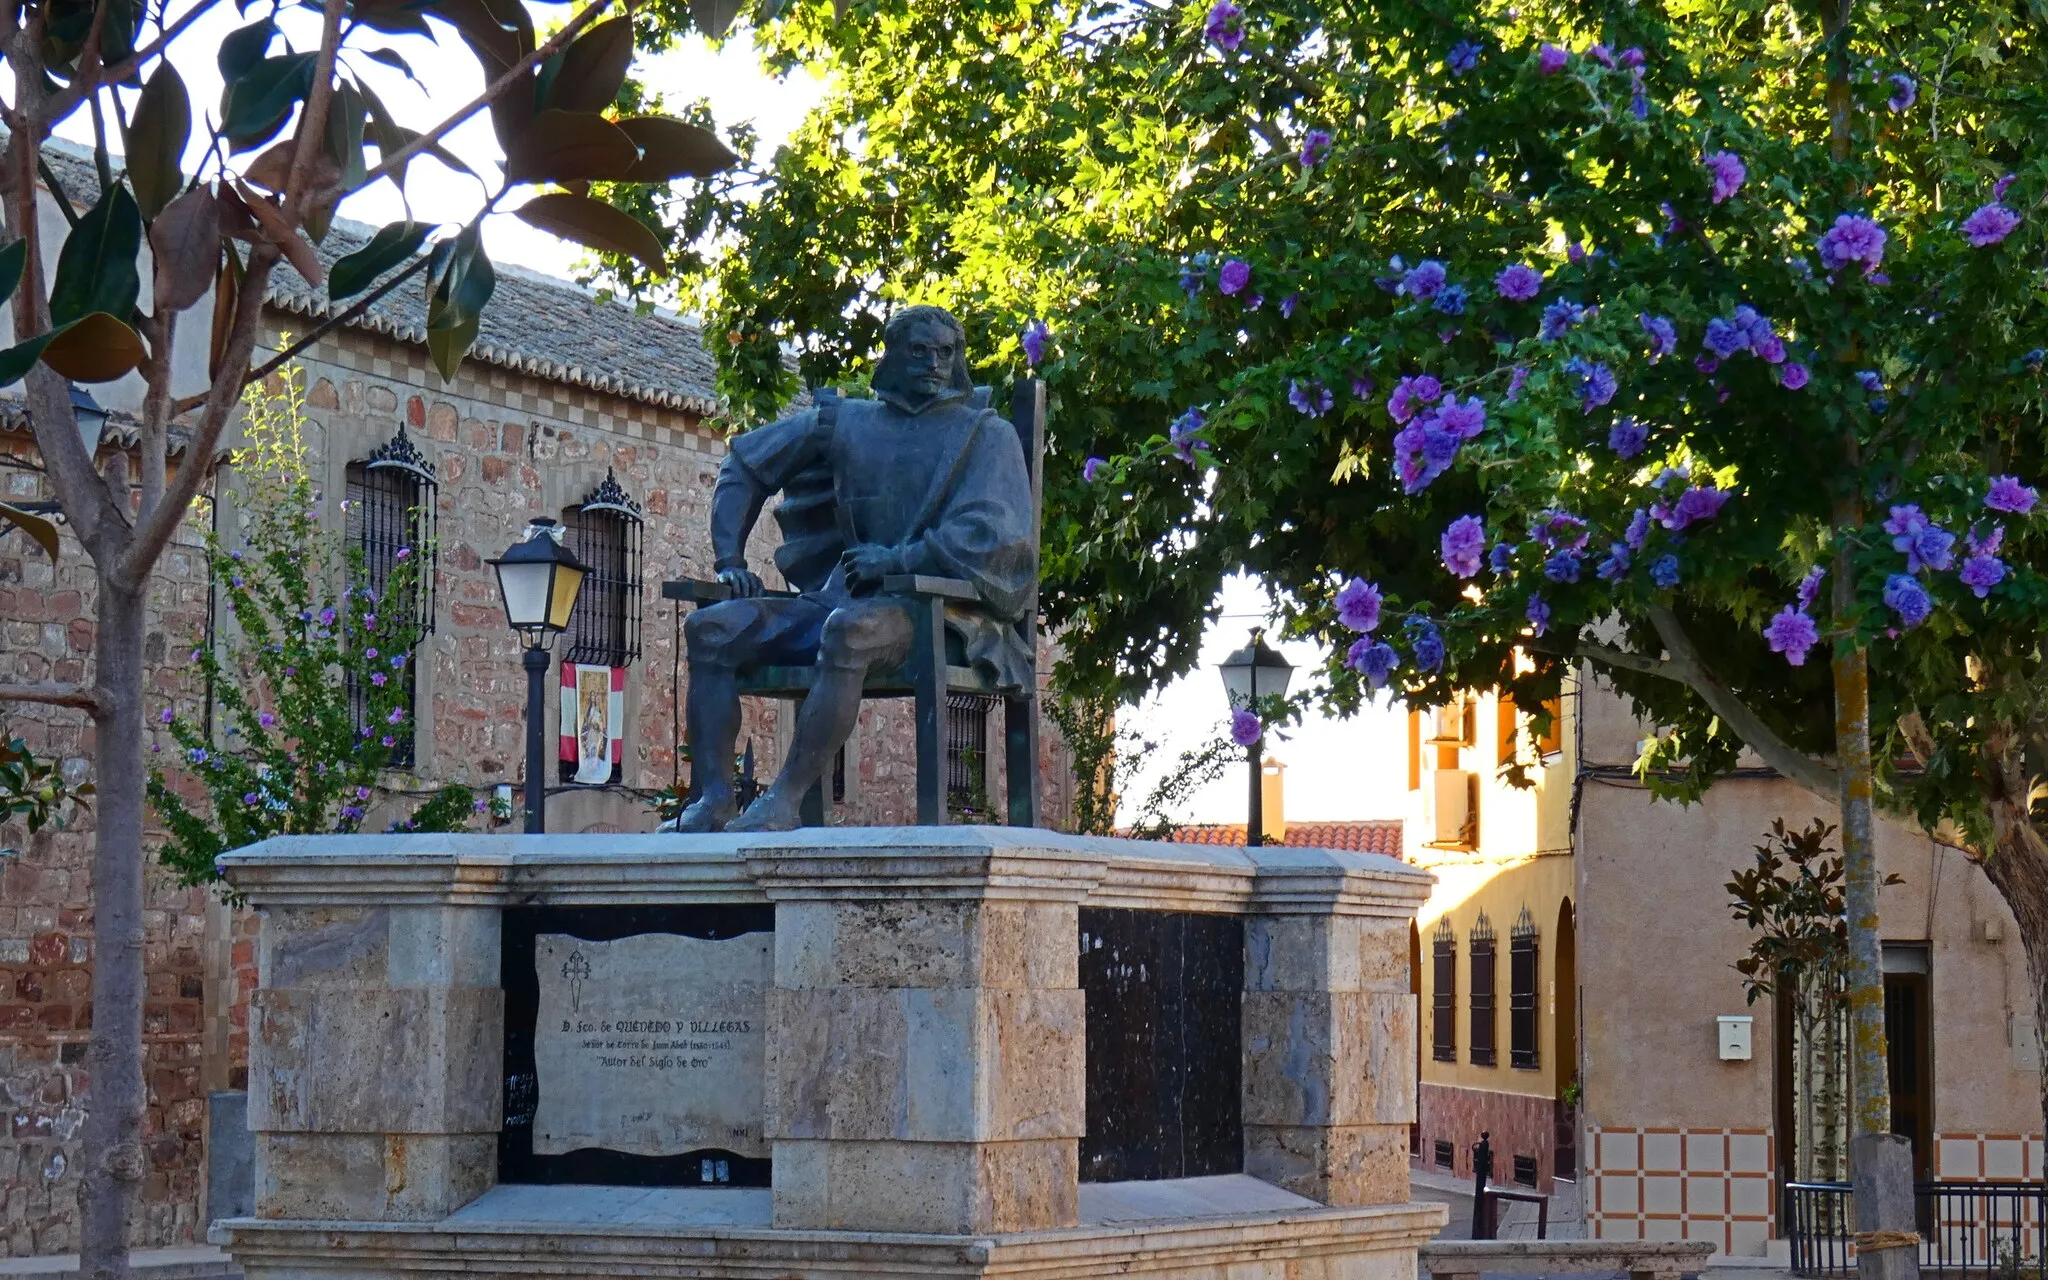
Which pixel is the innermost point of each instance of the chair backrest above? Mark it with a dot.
(1027, 415)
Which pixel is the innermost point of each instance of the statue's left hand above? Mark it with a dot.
(867, 565)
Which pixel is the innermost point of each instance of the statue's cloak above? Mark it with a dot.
(945, 487)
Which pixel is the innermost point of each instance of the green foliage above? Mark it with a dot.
(1791, 899)
(304, 625)
(1109, 754)
(34, 790)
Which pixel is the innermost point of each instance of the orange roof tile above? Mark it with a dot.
(1370, 835)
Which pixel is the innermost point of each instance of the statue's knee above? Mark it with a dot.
(708, 636)
(846, 641)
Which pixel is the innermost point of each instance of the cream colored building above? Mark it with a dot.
(1680, 1130)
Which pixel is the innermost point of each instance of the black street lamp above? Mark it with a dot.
(538, 578)
(92, 419)
(1254, 672)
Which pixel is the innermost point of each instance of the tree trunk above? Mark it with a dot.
(2018, 869)
(112, 1133)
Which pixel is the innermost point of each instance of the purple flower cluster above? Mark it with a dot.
(1664, 571)
(1613, 566)
(1245, 729)
(1926, 544)
(1236, 274)
(1425, 448)
(1518, 282)
(1558, 319)
(1311, 397)
(1562, 565)
(1463, 544)
(1358, 605)
(1194, 273)
(1853, 238)
(1288, 305)
(1502, 558)
(1537, 612)
(1550, 59)
(1792, 632)
(1726, 171)
(1092, 469)
(1663, 335)
(1463, 56)
(1315, 148)
(1982, 569)
(1182, 438)
(1036, 335)
(1411, 395)
(1426, 643)
(1424, 280)
(1905, 91)
(1373, 659)
(1990, 224)
(1794, 376)
(1597, 384)
(2009, 495)
(1695, 505)
(1746, 330)
(1225, 26)
(1554, 529)
(1638, 532)
(1904, 596)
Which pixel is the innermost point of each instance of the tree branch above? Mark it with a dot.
(1690, 668)
(313, 118)
(386, 165)
(90, 81)
(52, 694)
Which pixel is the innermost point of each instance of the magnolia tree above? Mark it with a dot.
(299, 129)
(1701, 347)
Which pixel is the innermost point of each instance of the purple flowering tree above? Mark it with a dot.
(309, 683)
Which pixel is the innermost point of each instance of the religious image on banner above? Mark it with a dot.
(593, 712)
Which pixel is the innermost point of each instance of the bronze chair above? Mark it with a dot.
(934, 669)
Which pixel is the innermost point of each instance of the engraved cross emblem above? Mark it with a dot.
(576, 969)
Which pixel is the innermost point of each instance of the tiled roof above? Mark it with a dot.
(1370, 835)
(536, 324)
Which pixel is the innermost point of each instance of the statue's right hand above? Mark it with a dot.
(745, 583)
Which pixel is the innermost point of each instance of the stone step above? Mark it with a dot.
(195, 1263)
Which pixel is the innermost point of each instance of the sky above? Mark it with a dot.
(1335, 769)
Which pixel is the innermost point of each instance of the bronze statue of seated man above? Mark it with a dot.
(919, 480)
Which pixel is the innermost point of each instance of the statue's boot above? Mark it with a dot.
(708, 813)
(772, 811)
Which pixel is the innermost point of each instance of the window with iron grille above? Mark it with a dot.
(604, 533)
(1522, 979)
(1525, 1170)
(1446, 1153)
(967, 752)
(1444, 993)
(388, 513)
(1482, 992)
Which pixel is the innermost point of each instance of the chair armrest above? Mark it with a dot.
(702, 591)
(918, 584)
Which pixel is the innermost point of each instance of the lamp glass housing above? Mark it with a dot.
(1256, 671)
(538, 580)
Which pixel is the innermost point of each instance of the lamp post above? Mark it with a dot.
(538, 578)
(1254, 672)
(91, 418)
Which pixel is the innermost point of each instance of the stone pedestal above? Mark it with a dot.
(925, 1064)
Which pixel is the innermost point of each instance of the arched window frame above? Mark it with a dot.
(390, 504)
(605, 534)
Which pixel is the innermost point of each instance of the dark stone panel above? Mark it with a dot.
(593, 1165)
(1165, 992)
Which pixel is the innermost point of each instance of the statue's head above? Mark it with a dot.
(924, 359)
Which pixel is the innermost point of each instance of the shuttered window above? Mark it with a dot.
(1444, 994)
(1483, 975)
(1522, 983)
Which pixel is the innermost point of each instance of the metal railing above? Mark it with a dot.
(1992, 1229)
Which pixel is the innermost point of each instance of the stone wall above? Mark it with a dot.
(1521, 1126)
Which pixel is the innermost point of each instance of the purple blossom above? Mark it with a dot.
(351, 813)
(1362, 386)
(1465, 421)
(1663, 334)
(249, 798)
(1311, 398)
(1036, 335)
(1236, 273)
(1537, 612)
(1182, 439)
(378, 678)
(1664, 571)
(1575, 253)
(1518, 377)
(1639, 103)
(1562, 566)
(196, 755)
(1723, 338)
(1597, 384)
(1502, 558)
(1358, 605)
(397, 662)
(1553, 528)
(1426, 643)
(1695, 505)
(1795, 376)
(1253, 301)
(1904, 595)
(1853, 238)
(326, 620)
(1550, 60)
(1998, 188)
(1423, 450)
(1558, 318)
(1627, 437)
(1638, 532)
(167, 716)
(1452, 303)
(1726, 170)
(1463, 56)
(1613, 566)
(1424, 280)
(397, 716)
(2008, 494)
(1706, 364)
(1632, 57)
(1194, 274)
(1792, 632)
(1990, 224)
(1225, 26)
(1092, 468)
(1518, 282)
(1411, 395)
(1315, 147)
(1288, 305)
(266, 720)
(1982, 569)
(1870, 380)
(403, 553)
(1373, 659)
(1904, 92)
(1463, 544)
(1603, 55)
(1245, 729)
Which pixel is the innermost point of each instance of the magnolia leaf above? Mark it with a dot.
(17, 360)
(499, 38)
(185, 242)
(392, 58)
(595, 225)
(244, 47)
(280, 232)
(392, 245)
(96, 267)
(389, 137)
(713, 17)
(95, 348)
(674, 149)
(257, 103)
(592, 68)
(559, 146)
(12, 260)
(44, 532)
(227, 292)
(157, 137)
(345, 137)
(461, 281)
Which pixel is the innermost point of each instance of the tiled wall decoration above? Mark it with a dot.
(1988, 1157)
(1682, 1184)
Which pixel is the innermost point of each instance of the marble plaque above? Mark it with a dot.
(651, 1044)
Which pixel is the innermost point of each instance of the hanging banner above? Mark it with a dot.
(593, 720)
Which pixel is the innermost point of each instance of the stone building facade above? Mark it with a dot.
(564, 394)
